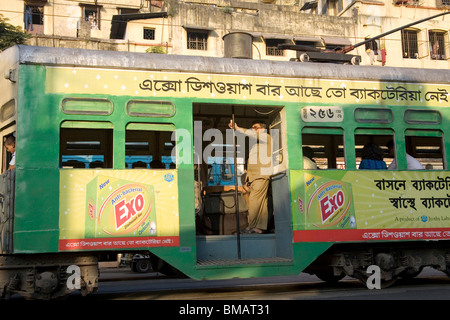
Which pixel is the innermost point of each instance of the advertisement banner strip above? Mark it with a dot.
(177, 84)
(371, 234)
(117, 243)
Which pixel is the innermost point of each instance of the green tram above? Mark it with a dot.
(114, 152)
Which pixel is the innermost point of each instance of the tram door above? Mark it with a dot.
(222, 157)
(7, 189)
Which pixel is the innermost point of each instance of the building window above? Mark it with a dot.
(91, 15)
(441, 3)
(409, 44)
(334, 7)
(149, 34)
(34, 16)
(127, 11)
(272, 47)
(437, 45)
(197, 40)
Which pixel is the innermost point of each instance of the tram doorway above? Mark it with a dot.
(221, 159)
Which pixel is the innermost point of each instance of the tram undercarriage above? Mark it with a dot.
(47, 276)
(394, 261)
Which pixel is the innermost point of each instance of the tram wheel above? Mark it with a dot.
(363, 278)
(329, 276)
(410, 273)
(447, 271)
(143, 266)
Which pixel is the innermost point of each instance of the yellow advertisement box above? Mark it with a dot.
(117, 207)
(371, 205)
(102, 209)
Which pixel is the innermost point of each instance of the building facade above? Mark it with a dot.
(200, 27)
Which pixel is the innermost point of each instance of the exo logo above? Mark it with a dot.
(329, 206)
(124, 211)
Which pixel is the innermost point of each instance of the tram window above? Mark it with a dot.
(86, 148)
(149, 146)
(423, 116)
(8, 110)
(276, 130)
(378, 136)
(327, 145)
(87, 106)
(427, 147)
(373, 115)
(144, 108)
(7, 155)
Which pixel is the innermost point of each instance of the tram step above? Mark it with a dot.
(225, 262)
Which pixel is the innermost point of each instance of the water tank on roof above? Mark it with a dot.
(238, 45)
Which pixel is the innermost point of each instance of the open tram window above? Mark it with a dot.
(326, 147)
(149, 146)
(8, 153)
(82, 147)
(372, 138)
(426, 146)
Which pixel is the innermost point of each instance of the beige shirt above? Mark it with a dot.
(259, 163)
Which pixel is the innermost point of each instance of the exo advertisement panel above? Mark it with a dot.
(107, 209)
(371, 205)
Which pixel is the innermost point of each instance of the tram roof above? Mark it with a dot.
(73, 57)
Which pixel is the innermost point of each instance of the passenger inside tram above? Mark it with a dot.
(372, 157)
(10, 146)
(412, 163)
(308, 159)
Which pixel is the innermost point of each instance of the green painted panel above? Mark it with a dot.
(37, 177)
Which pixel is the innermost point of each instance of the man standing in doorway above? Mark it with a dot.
(259, 169)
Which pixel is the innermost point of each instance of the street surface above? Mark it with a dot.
(122, 283)
(304, 295)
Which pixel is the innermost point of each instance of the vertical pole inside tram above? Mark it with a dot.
(236, 185)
